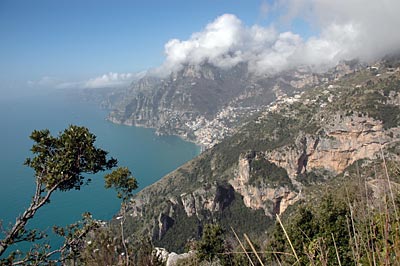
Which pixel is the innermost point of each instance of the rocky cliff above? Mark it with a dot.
(205, 104)
(341, 142)
(275, 159)
(272, 198)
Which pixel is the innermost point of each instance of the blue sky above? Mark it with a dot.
(88, 43)
(79, 39)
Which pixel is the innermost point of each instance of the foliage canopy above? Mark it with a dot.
(60, 163)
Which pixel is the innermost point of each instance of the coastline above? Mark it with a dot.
(201, 143)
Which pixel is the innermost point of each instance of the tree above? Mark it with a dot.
(124, 183)
(211, 245)
(59, 164)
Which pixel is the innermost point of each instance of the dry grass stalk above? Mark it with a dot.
(287, 237)
(337, 253)
(389, 184)
(253, 249)
(241, 245)
(277, 259)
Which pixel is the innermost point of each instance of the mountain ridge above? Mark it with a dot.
(204, 104)
(275, 159)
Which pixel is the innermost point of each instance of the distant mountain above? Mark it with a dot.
(276, 158)
(204, 104)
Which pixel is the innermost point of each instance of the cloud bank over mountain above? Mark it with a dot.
(110, 80)
(348, 29)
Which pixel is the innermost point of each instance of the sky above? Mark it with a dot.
(88, 43)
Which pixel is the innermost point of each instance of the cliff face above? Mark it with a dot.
(187, 101)
(205, 104)
(344, 140)
(273, 200)
(275, 159)
(334, 148)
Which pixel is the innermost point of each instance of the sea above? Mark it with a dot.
(148, 156)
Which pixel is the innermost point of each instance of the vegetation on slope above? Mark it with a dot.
(348, 223)
(362, 93)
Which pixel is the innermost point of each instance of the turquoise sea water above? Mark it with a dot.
(148, 156)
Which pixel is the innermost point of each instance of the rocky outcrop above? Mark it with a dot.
(347, 140)
(271, 200)
(305, 79)
(199, 200)
(164, 223)
(172, 258)
(213, 199)
(342, 141)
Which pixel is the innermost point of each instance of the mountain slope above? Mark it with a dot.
(276, 159)
(205, 104)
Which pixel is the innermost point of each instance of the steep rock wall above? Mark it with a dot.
(271, 200)
(344, 140)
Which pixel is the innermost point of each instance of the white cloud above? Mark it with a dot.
(373, 24)
(214, 44)
(45, 81)
(109, 80)
(365, 29)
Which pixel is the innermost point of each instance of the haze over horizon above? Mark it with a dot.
(92, 44)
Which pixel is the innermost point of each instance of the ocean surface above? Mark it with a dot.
(149, 157)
